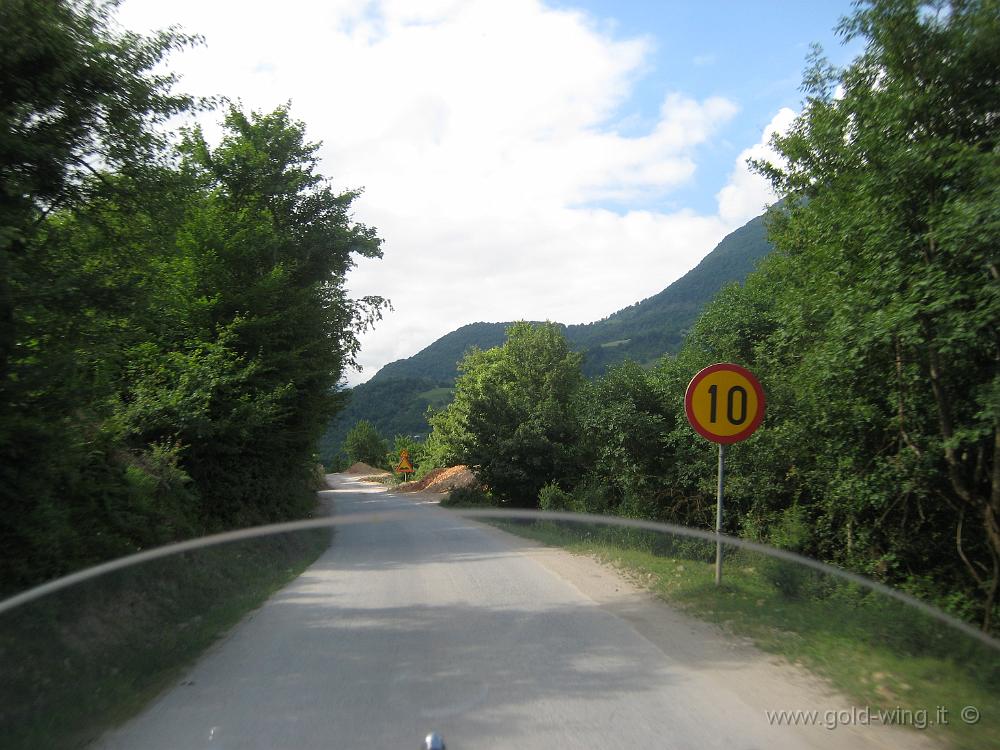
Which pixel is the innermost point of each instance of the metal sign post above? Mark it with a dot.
(718, 515)
(725, 404)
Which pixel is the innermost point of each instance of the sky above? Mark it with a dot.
(521, 159)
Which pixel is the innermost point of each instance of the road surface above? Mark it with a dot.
(432, 622)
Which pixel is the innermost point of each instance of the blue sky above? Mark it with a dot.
(522, 159)
(752, 53)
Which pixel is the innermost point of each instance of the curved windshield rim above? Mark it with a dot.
(167, 550)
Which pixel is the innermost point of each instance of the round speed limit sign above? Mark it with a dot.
(724, 403)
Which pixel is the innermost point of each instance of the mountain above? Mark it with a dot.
(438, 362)
(647, 330)
(396, 398)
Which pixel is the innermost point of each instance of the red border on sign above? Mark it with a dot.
(725, 439)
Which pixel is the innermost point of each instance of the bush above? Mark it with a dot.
(793, 581)
(551, 497)
(337, 463)
(363, 444)
(468, 497)
(594, 497)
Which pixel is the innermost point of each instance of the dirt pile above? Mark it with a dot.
(442, 480)
(363, 469)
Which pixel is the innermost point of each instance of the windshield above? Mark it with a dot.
(513, 372)
(394, 618)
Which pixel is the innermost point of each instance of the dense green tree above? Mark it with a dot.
(270, 245)
(512, 419)
(364, 444)
(173, 319)
(893, 188)
(624, 421)
(79, 105)
(75, 95)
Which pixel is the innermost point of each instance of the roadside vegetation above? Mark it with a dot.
(872, 326)
(173, 318)
(85, 659)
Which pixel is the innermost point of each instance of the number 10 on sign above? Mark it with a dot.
(725, 404)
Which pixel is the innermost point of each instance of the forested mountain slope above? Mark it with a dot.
(656, 325)
(397, 396)
(437, 362)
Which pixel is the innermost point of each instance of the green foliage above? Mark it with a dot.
(336, 464)
(468, 497)
(889, 242)
(872, 326)
(551, 497)
(364, 444)
(415, 448)
(395, 406)
(791, 531)
(625, 423)
(173, 318)
(512, 419)
(75, 92)
(436, 451)
(594, 495)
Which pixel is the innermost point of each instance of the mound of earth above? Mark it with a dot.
(363, 469)
(420, 485)
(442, 480)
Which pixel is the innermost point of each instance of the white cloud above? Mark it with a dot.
(482, 133)
(746, 194)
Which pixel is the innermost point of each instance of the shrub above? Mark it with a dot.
(468, 497)
(551, 497)
(793, 581)
(594, 497)
(364, 444)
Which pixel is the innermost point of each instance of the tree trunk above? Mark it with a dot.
(987, 508)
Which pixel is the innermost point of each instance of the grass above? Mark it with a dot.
(438, 398)
(86, 659)
(879, 652)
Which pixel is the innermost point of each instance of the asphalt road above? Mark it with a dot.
(431, 622)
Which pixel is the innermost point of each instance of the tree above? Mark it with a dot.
(79, 102)
(363, 444)
(75, 97)
(623, 422)
(891, 179)
(173, 317)
(512, 419)
(269, 245)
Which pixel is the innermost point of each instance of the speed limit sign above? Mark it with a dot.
(724, 403)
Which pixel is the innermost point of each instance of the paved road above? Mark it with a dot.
(433, 622)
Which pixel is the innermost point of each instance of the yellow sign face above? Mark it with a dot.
(724, 403)
(404, 467)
